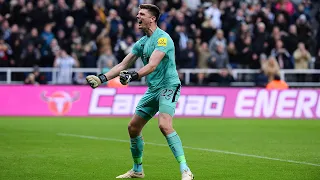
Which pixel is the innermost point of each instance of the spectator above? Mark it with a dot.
(267, 16)
(260, 44)
(114, 20)
(274, 37)
(217, 39)
(50, 14)
(302, 57)
(61, 12)
(188, 57)
(5, 30)
(292, 40)
(91, 33)
(29, 14)
(79, 79)
(47, 35)
(50, 53)
(242, 33)
(304, 30)
(63, 41)
(106, 61)
(77, 49)
(183, 37)
(103, 42)
(16, 16)
(35, 77)
(30, 56)
(89, 60)
(214, 13)
(282, 22)
(240, 17)
(4, 9)
(245, 52)
(5, 54)
(79, 12)
(300, 11)
(199, 16)
(65, 63)
(308, 6)
(282, 55)
(14, 34)
(17, 47)
(123, 47)
(34, 38)
(180, 19)
(193, 4)
(207, 30)
(233, 55)
(133, 9)
(285, 5)
(203, 56)
(219, 59)
(228, 17)
(69, 26)
(271, 68)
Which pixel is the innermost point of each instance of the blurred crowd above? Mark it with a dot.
(268, 35)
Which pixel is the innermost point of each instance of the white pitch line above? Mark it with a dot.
(193, 148)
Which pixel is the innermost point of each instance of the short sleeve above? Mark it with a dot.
(137, 48)
(163, 44)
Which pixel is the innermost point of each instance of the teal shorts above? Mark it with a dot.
(163, 100)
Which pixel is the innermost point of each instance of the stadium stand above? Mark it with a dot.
(218, 42)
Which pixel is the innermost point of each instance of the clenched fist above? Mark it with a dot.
(95, 81)
(126, 76)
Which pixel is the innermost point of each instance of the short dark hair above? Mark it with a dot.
(153, 9)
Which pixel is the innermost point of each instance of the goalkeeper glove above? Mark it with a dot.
(126, 76)
(95, 81)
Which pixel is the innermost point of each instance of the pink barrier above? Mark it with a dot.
(193, 102)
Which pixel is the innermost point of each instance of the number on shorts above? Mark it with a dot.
(167, 93)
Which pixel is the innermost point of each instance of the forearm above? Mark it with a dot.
(154, 61)
(115, 71)
(127, 62)
(147, 69)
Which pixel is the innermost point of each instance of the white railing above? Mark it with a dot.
(186, 72)
(237, 72)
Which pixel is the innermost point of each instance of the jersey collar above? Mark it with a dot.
(157, 29)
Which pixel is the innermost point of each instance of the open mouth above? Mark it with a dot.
(139, 21)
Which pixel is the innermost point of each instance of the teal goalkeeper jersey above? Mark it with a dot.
(166, 73)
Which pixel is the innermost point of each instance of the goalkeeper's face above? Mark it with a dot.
(145, 19)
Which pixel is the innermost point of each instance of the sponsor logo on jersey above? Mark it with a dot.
(162, 41)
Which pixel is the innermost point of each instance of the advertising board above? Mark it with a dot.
(193, 102)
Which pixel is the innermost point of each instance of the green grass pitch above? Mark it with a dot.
(97, 148)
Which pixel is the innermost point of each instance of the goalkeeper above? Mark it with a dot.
(157, 52)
